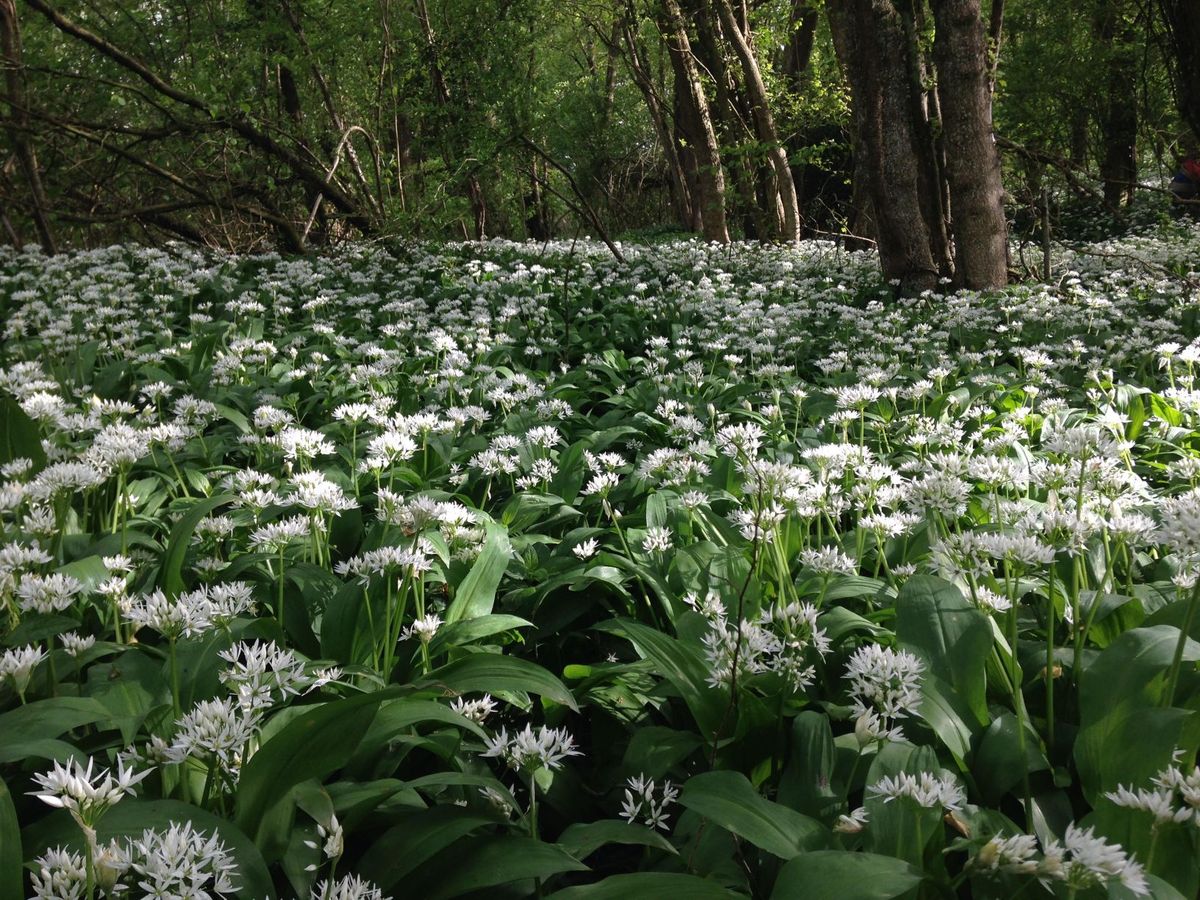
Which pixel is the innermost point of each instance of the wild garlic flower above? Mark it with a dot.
(214, 730)
(852, 823)
(1013, 855)
(275, 536)
(17, 665)
(1089, 861)
(333, 840)
(656, 540)
(927, 790)
(1173, 797)
(885, 684)
(59, 874)
(349, 887)
(261, 674)
(48, 594)
(586, 549)
(828, 561)
(641, 805)
(181, 862)
(75, 644)
(528, 750)
(475, 710)
(186, 615)
(87, 796)
(423, 629)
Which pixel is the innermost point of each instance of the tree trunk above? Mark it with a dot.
(1119, 116)
(14, 77)
(710, 176)
(1181, 19)
(681, 195)
(764, 122)
(441, 91)
(972, 161)
(876, 51)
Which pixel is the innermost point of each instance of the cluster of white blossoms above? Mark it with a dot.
(884, 685)
(1174, 796)
(647, 803)
(784, 639)
(180, 862)
(528, 750)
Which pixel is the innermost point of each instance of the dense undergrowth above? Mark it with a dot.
(508, 570)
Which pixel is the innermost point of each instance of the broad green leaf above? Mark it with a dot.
(19, 435)
(171, 576)
(647, 886)
(494, 672)
(474, 864)
(584, 838)
(415, 838)
(312, 745)
(48, 719)
(934, 620)
(475, 596)
(806, 785)
(1131, 670)
(10, 847)
(843, 875)
(681, 664)
(468, 631)
(1000, 762)
(729, 800)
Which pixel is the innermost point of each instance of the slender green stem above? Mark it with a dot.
(1177, 659)
(1049, 673)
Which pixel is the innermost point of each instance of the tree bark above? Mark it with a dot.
(643, 77)
(1181, 19)
(972, 161)
(1119, 116)
(876, 51)
(441, 89)
(764, 122)
(711, 178)
(14, 77)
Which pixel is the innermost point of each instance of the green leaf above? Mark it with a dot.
(171, 576)
(458, 634)
(44, 719)
(842, 875)
(934, 620)
(494, 672)
(679, 663)
(806, 785)
(584, 838)
(729, 800)
(473, 864)
(647, 886)
(475, 596)
(312, 745)
(1000, 763)
(415, 838)
(10, 847)
(19, 434)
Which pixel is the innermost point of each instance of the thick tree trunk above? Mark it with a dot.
(972, 161)
(1119, 118)
(876, 52)
(14, 78)
(1181, 19)
(764, 122)
(710, 176)
(441, 90)
(681, 195)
